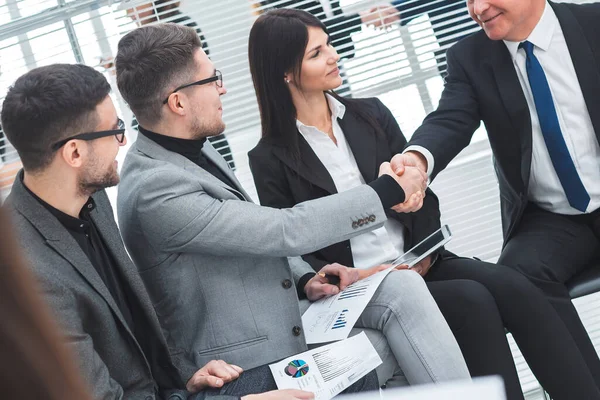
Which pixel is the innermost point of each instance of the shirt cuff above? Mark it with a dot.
(389, 191)
(302, 282)
(426, 153)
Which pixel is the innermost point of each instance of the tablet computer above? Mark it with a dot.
(427, 246)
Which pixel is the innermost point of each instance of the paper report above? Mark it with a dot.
(328, 370)
(332, 318)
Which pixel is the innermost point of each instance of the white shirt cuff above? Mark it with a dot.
(426, 153)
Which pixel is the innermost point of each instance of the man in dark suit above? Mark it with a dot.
(66, 225)
(532, 77)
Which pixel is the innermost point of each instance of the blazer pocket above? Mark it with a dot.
(226, 348)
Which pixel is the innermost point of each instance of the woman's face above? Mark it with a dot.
(319, 65)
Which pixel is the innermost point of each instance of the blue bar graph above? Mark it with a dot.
(340, 322)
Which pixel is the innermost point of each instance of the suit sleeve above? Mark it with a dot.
(273, 191)
(177, 215)
(63, 303)
(449, 129)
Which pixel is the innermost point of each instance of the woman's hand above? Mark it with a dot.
(422, 267)
(365, 273)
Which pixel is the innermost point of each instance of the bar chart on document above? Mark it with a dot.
(356, 290)
(333, 318)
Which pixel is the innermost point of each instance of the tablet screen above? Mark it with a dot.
(425, 247)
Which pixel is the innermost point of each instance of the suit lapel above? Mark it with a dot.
(584, 62)
(363, 143)
(112, 239)
(513, 98)
(213, 155)
(155, 151)
(59, 239)
(308, 166)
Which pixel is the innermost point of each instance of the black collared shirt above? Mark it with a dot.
(190, 149)
(86, 234)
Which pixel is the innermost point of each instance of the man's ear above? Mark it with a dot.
(177, 103)
(73, 153)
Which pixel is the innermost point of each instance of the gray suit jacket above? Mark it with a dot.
(216, 267)
(115, 363)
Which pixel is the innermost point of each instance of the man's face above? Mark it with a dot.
(100, 168)
(511, 20)
(207, 110)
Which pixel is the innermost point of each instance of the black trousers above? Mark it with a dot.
(549, 249)
(489, 298)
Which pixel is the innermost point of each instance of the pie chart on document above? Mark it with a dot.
(296, 368)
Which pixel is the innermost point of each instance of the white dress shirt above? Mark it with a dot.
(545, 188)
(371, 248)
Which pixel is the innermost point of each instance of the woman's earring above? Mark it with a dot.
(287, 80)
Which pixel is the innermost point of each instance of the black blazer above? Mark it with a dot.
(282, 183)
(340, 26)
(482, 85)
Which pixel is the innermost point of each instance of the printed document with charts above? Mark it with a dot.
(328, 370)
(332, 318)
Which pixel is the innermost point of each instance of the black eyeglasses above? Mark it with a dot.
(119, 134)
(218, 77)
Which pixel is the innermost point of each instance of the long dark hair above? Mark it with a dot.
(276, 46)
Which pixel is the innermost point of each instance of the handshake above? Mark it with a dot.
(409, 170)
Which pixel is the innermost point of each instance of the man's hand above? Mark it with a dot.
(380, 16)
(318, 286)
(365, 273)
(287, 394)
(409, 159)
(413, 181)
(214, 374)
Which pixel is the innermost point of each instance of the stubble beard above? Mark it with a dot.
(91, 181)
(202, 130)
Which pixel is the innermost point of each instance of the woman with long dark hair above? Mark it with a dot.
(315, 143)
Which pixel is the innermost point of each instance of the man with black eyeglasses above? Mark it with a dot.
(64, 126)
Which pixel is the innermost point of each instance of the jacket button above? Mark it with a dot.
(354, 224)
(286, 283)
(372, 218)
(296, 331)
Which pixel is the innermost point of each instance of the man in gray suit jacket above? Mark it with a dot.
(221, 270)
(67, 229)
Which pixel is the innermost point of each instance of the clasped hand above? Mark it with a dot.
(409, 171)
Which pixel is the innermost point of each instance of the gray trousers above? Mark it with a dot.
(409, 332)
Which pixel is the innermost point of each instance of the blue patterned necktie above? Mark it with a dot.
(555, 142)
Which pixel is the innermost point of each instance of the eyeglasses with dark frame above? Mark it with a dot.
(218, 77)
(119, 134)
